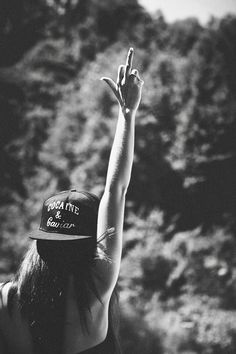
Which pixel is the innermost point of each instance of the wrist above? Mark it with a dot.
(127, 112)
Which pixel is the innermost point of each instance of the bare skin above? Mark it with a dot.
(14, 329)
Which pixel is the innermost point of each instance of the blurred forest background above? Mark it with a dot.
(57, 120)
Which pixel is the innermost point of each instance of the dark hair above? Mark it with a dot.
(41, 283)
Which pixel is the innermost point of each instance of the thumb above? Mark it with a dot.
(112, 85)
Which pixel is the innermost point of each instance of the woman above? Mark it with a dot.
(62, 298)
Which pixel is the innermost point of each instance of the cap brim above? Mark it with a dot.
(54, 236)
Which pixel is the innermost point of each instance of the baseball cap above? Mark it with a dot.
(68, 215)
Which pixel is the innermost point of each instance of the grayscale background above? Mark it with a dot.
(57, 119)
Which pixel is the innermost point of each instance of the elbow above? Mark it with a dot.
(117, 189)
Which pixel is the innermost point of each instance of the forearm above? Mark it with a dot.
(122, 152)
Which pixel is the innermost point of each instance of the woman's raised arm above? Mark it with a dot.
(111, 210)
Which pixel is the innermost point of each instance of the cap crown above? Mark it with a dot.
(69, 215)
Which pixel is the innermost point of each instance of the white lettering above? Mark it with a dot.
(52, 223)
(65, 206)
(57, 225)
(76, 210)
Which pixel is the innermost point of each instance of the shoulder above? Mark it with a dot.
(1, 295)
(103, 279)
(4, 290)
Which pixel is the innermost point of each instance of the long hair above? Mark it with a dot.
(41, 285)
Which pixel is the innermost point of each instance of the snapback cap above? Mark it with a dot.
(68, 215)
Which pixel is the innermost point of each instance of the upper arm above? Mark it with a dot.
(110, 215)
(1, 300)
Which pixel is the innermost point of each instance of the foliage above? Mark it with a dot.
(182, 288)
(178, 274)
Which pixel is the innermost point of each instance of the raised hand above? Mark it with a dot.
(128, 87)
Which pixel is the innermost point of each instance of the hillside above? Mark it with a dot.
(178, 276)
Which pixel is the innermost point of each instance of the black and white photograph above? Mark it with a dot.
(117, 177)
